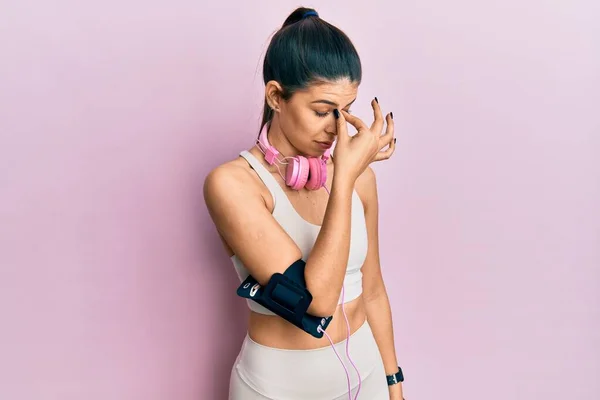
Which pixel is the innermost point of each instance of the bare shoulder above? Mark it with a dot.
(231, 178)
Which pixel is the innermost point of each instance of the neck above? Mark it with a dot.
(278, 139)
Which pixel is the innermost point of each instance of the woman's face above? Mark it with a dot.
(306, 119)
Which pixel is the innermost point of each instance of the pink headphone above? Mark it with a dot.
(301, 172)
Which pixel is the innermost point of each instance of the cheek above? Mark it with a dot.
(304, 122)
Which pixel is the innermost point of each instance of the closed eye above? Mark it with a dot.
(323, 115)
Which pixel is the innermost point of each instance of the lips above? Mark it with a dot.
(325, 144)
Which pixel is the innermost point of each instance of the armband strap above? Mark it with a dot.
(286, 295)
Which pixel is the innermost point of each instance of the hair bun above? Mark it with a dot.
(309, 13)
(299, 14)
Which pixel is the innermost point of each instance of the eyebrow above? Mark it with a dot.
(331, 103)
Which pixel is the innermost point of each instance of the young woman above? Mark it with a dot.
(285, 203)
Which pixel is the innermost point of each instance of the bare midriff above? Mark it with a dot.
(274, 331)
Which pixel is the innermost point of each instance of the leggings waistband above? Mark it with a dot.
(315, 373)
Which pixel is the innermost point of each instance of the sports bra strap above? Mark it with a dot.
(263, 173)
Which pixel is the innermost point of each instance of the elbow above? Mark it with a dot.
(324, 302)
(321, 308)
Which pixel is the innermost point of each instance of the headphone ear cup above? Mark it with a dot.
(296, 173)
(318, 174)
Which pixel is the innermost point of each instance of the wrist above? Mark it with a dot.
(342, 182)
(395, 378)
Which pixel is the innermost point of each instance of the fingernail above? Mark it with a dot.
(376, 100)
(392, 115)
(336, 113)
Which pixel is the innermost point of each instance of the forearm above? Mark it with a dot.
(326, 264)
(379, 315)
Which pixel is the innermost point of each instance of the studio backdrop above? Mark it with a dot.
(114, 284)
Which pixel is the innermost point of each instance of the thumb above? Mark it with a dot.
(342, 128)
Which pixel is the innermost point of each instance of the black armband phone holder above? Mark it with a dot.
(286, 295)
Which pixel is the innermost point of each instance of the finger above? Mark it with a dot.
(387, 153)
(387, 138)
(377, 126)
(355, 121)
(342, 128)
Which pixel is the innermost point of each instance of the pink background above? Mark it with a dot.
(113, 284)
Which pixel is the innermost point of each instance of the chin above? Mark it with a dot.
(316, 153)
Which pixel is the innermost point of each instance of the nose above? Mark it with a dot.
(331, 127)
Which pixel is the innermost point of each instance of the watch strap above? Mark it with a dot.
(395, 378)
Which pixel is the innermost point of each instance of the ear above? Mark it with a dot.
(273, 92)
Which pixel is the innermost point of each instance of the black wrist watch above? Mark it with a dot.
(395, 378)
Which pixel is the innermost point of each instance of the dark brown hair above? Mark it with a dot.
(305, 50)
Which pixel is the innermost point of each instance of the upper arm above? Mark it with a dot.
(242, 219)
(366, 187)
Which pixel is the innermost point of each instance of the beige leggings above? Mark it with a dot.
(262, 372)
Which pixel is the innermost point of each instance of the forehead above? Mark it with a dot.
(341, 91)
